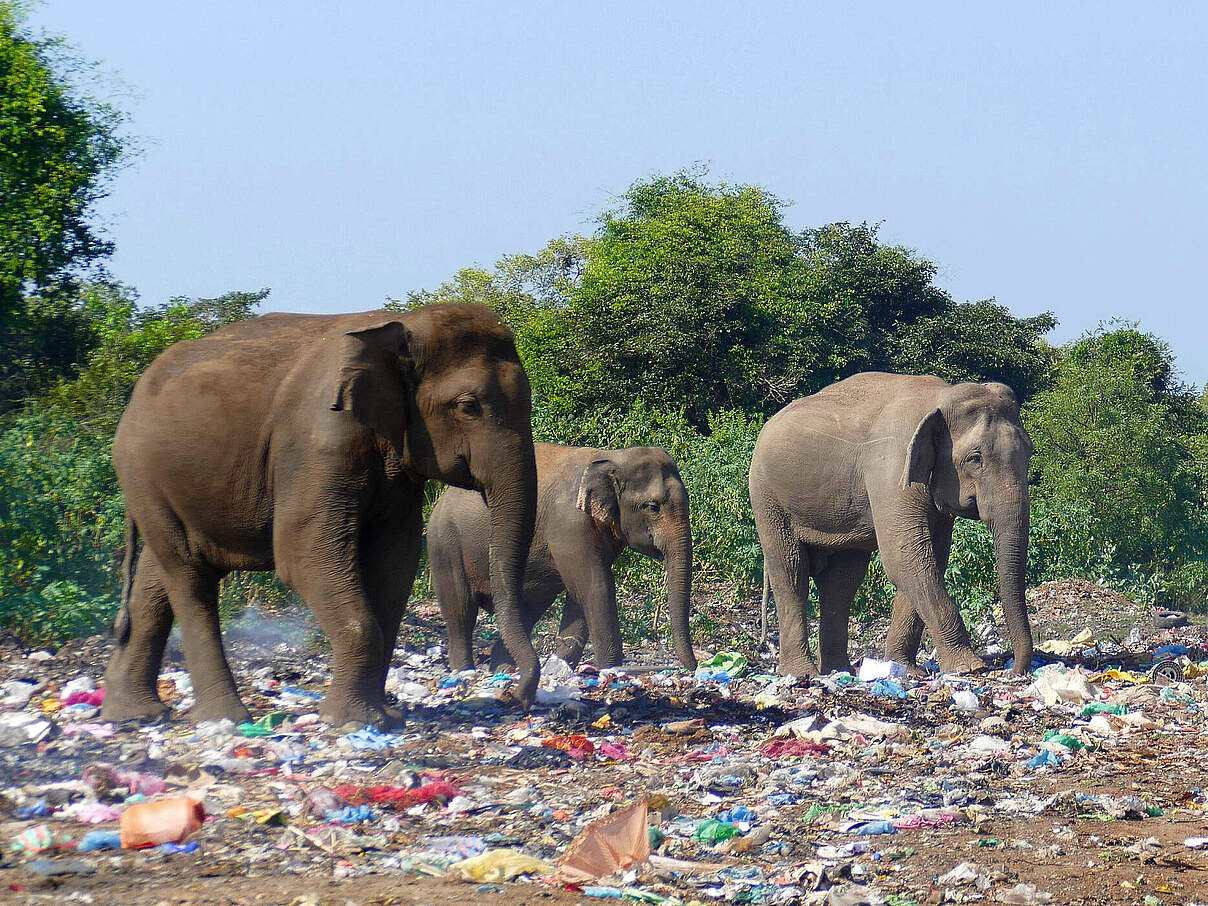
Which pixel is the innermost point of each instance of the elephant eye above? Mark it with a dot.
(652, 507)
(974, 459)
(469, 406)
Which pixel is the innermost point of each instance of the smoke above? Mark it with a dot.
(267, 628)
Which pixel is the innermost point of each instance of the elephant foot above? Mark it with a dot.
(501, 659)
(907, 659)
(348, 713)
(119, 707)
(526, 690)
(225, 708)
(803, 667)
(837, 665)
(570, 650)
(396, 717)
(961, 660)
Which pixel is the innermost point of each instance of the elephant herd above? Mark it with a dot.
(301, 443)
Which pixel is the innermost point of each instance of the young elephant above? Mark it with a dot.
(888, 461)
(591, 505)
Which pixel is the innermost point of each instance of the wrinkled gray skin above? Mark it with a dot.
(591, 505)
(301, 443)
(888, 461)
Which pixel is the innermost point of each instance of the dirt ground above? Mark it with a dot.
(1105, 825)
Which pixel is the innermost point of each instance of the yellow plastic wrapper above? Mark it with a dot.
(1068, 646)
(1119, 675)
(500, 865)
(1195, 671)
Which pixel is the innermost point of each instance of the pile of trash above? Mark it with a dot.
(730, 784)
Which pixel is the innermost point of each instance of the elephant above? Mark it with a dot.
(888, 461)
(591, 505)
(301, 443)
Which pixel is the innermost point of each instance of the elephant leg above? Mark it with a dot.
(593, 589)
(573, 632)
(837, 584)
(906, 626)
(193, 594)
(390, 554)
(130, 678)
(319, 556)
(459, 607)
(909, 554)
(905, 632)
(534, 602)
(788, 575)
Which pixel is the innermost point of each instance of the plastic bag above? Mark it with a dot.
(166, 821)
(1056, 684)
(500, 865)
(873, 669)
(576, 746)
(608, 845)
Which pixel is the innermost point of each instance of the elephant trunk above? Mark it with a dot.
(1009, 523)
(512, 503)
(677, 560)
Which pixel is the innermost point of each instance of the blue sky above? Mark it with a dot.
(1054, 156)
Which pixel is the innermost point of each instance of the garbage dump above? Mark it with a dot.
(1079, 782)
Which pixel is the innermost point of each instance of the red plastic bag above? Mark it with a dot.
(395, 796)
(786, 748)
(576, 746)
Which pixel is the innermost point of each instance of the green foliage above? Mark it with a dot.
(1115, 439)
(60, 527)
(979, 341)
(58, 148)
(61, 511)
(696, 297)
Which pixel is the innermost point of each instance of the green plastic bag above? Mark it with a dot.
(264, 726)
(730, 662)
(712, 830)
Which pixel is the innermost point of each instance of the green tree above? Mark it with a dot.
(58, 148)
(1117, 435)
(683, 298)
(61, 511)
(978, 341)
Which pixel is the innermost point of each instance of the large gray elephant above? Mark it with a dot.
(301, 443)
(591, 505)
(887, 461)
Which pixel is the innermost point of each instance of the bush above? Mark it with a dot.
(62, 517)
(61, 527)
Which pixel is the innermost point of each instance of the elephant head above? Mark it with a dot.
(637, 497)
(444, 387)
(972, 453)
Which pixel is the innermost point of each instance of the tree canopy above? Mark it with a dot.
(59, 147)
(697, 297)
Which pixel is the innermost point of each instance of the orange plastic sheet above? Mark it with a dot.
(608, 845)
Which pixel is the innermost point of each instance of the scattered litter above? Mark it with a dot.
(640, 784)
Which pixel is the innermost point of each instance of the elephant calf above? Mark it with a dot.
(591, 505)
(887, 461)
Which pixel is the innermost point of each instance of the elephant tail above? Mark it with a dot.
(763, 607)
(121, 625)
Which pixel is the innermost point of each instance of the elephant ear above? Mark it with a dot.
(598, 496)
(373, 382)
(920, 453)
